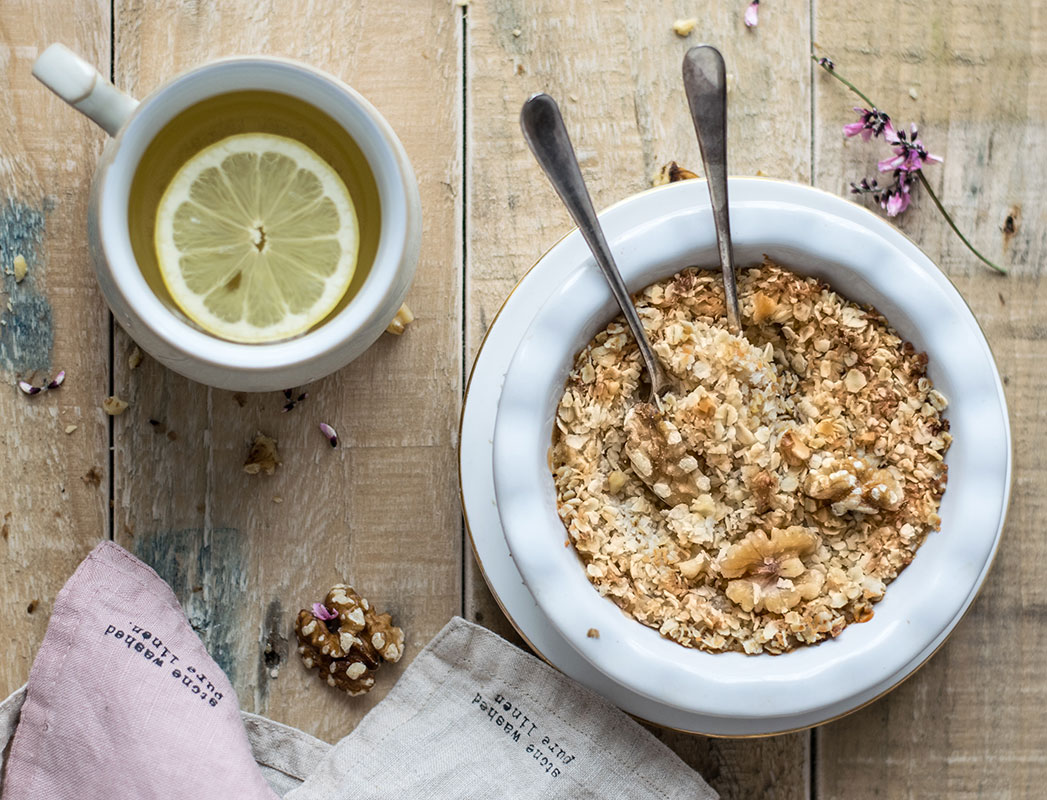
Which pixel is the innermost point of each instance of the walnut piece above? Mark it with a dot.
(770, 572)
(347, 649)
(849, 484)
(659, 455)
(763, 307)
(671, 173)
(263, 456)
(763, 487)
(793, 450)
(114, 406)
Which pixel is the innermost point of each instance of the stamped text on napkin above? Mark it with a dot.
(141, 640)
(518, 727)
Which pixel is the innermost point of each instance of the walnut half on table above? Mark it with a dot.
(346, 640)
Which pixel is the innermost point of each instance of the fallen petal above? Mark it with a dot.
(751, 14)
(330, 433)
(57, 381)
(320, 611)
(28, 388)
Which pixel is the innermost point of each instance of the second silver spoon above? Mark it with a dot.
(705, 83)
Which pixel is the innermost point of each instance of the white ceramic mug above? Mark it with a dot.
(161, 331)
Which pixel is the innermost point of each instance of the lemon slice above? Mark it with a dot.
(256, 238)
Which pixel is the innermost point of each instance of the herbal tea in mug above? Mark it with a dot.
(254, 223)
(254, 215)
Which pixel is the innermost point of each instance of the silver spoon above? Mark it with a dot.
(705, 83)
(546, 134)
(653, 445)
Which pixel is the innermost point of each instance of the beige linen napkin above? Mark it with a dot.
(475, 717)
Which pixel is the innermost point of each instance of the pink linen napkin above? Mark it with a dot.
(124, 701)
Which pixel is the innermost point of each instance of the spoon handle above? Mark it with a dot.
(545, 132)
(705, 82)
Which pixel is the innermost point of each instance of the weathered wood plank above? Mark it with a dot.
(381, 510)
(970, 723)
(615, 69)
(55, 489)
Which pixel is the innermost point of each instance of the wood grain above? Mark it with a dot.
(615, 69)
(381, 510)
(50, 516)
(970, 723)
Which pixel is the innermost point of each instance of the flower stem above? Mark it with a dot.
(923, 180)
(846, 83)
(971, 247)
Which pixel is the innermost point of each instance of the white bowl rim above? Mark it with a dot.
(637, 656)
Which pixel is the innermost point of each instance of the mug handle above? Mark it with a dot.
(83, 87)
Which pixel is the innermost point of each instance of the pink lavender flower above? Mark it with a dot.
(909, 158)
(893, 199)
(751, 14)
(896, 198)
(909, 153)
(872, 123)
(907, 163)
(322, 612)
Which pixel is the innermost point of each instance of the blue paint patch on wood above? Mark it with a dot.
(26, 319)
(206, 570)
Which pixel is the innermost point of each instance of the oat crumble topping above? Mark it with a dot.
(792, 477)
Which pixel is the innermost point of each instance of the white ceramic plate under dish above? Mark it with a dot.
(654, 234)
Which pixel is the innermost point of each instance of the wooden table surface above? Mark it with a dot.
(382, 510)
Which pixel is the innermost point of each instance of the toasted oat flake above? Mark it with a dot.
(778, 493)
(403, 318)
